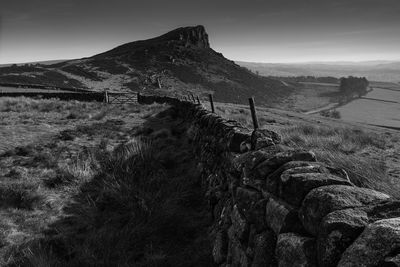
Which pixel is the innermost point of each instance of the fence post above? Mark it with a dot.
(253, 113)
(138, 97)
(106, 96)
(198, 100)
(211, 103)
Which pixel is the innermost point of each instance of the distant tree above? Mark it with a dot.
(351, 87)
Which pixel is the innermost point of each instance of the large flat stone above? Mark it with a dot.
(340, 228)
(374, 245)
(296, 167)
(270, 165)
(294, 184)
(323, 200)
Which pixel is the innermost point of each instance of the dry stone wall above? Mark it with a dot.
(277, 206)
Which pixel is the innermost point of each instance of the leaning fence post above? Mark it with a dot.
(211, 103)
(138, 97)
(106, 96)
(253, 113)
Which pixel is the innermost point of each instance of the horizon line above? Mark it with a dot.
(235, 60)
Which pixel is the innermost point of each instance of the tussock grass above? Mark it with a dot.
(25, 104)
(136, 205)
(19, 196)
(133, 213)
(351, 149)
(359, 152)
(50, 152)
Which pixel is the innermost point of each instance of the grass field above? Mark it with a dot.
(308, 96)
(381, 108)
(371, 155)
(83, 184)
(86, 184)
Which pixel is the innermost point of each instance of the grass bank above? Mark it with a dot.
(116, 187)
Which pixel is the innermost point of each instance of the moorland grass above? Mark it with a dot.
(142, 207)
(359, 152)
(80, 199)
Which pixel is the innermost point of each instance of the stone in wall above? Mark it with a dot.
(239, 136)
(236, 250)
(295, 250)
(281, 217)
(261, 138)
(250, 203)
(323, 200)
(240, 226)
(340, 228)
(294, 185)
(278, 180)
(264, 249)
(220, 248)
(270, 165)
(377, 244)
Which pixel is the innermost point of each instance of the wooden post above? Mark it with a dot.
(106, 96)
(253, 113)
(138, 97)
(198, 100)
(211, 103)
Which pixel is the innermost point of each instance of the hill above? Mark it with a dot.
(388, 71)
(178, 62)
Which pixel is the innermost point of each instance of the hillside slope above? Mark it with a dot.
(178, 62)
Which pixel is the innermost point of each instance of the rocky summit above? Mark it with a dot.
(180, 62)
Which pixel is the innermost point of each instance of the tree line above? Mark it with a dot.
(352, 87)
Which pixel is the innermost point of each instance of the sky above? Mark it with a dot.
(243, 30)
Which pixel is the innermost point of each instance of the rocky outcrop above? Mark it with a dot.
(276, 206)
(189, 36)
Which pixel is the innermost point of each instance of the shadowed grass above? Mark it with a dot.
(143, 207)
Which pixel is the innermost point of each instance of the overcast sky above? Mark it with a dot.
(247, 30)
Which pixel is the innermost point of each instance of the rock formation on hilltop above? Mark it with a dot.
(178, 62)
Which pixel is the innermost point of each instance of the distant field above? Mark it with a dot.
(4, 89)
(372, 111)
(310, 95)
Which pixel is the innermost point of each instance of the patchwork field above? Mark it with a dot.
(381, 106)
